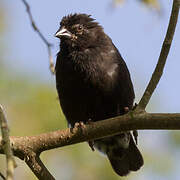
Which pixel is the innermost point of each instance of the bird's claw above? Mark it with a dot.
(134, 107)
(89, 121)
(91, 145)
(82, 126)
(135, 135)
(135, 132)
(79, 125)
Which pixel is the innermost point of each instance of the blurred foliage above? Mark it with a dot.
(149, 3)
(152, 3)
(174, 137)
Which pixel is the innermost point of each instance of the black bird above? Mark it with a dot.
(93, 83)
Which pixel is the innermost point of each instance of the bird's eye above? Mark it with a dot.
(77, 28)
(80, 28)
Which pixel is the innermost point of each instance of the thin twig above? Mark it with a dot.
(2, 176)
(49, 45)
(162, 58)
(6, 146)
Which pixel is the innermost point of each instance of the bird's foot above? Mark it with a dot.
(79, 125)
(91, 145)
(135, 135)
(135, 132)
(89, 121)
(134, 107)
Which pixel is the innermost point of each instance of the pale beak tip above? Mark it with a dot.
(56, 35)
(63, 32)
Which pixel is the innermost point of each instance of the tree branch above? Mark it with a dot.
(96, 130)
(29, 148)
(34, 26)
(162, 58)
(38, 168)
(6, 146)
(2, 176)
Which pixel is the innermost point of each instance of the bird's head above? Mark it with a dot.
(79, 30)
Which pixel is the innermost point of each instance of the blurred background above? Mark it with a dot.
(28, 94)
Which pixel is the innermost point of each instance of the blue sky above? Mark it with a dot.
(137, 32)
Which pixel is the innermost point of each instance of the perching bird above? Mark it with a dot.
(93, 83)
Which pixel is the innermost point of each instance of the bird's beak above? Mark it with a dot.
(63, 32)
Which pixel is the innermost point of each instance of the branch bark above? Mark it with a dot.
(96, 130)
(6, 146)
(29, 148)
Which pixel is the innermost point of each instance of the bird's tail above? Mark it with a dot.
(122, 153)
(124, 160)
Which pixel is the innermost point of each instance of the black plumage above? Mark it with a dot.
(93, 82)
